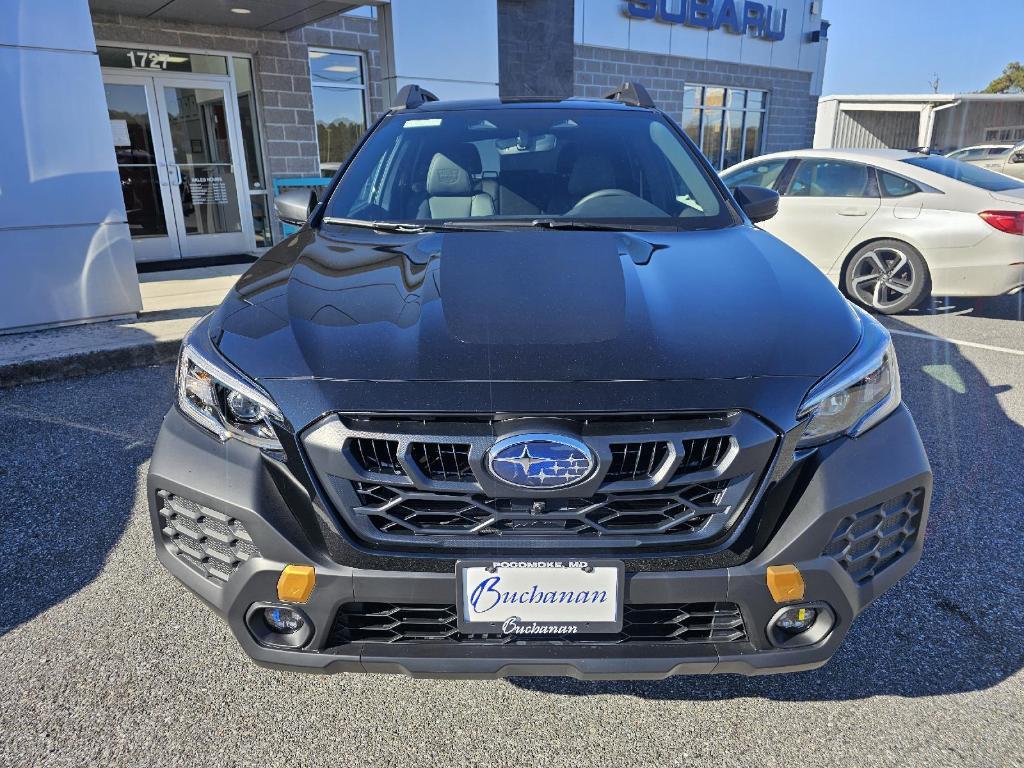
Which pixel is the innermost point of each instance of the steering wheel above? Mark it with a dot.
(600, 194)
(615, 203)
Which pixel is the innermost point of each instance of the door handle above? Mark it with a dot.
(173, 174)
(852, 212)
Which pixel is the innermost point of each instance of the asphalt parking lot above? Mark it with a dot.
(104, 659)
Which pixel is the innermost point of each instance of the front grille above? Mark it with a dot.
(443, 461)
(636, 461)
(682, 623)
(208, 541)
(422, 483)
(704, 454)
(379, 456)
(400, 511)
(867, 543)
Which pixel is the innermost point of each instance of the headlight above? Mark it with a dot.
(861, 392)
(220, 400)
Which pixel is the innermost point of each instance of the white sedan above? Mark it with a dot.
(892, 227)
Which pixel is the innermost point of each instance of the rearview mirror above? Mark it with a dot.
(759, 203)
(294, 206)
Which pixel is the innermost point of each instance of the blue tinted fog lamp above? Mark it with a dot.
(282, 619)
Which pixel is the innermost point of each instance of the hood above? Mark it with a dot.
(526, 306)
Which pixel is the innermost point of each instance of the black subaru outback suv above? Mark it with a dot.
(527, 393)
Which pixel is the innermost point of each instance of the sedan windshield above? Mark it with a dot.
(965, 172)
(524, 166)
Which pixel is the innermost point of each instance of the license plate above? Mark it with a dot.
(531, 597)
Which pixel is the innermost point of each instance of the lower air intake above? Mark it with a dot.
(682, 623)
(208, 541)
(867, 543)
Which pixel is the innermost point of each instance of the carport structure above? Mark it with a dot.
(942, 122)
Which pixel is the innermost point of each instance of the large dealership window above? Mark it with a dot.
(339, 104)
(726, 123)
(242, 68)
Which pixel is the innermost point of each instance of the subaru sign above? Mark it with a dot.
(732, 16)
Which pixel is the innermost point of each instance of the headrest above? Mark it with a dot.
(590, 173)
(449, 172)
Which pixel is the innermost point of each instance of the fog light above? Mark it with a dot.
(283, 620)
(794, 621)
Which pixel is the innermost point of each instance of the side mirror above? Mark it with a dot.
(294, 206)
(759, 203)
(1017, 157)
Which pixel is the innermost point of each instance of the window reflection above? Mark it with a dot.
(339, 123)
(338, 104)
(326, 67)
(199, 139)
(727, 123)
(132, 135)
(199, 126)
(253, 154)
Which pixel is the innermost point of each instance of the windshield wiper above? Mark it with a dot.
(399, 226)
(384, 226)
(483, 224)
(596, 225)
(488, 224)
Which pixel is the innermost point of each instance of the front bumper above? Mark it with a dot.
(832, 485)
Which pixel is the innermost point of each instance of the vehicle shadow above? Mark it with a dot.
(988, 307)
(73, 461)
(956, 622)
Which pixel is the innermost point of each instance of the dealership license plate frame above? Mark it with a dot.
(583, 627)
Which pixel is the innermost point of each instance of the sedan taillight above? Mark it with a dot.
(1011, 222)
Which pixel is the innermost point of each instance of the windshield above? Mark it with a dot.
(965, 172)
(507, 166)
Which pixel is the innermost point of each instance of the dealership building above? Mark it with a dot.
(155, 133)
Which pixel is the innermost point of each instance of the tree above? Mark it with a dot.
(1011, 81)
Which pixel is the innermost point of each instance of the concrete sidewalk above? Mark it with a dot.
(171, 303)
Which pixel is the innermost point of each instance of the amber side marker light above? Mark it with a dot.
(785, 583)
(296, 583)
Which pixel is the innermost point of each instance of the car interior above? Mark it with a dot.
(468, 166)
(829, 179)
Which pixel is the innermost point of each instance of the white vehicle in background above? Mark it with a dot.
(892, 227)
(1001, 158)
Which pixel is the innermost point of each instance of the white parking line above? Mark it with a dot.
(958, 342)
(27, 413)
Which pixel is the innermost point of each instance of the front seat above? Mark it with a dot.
(590, 172)
(450, 191)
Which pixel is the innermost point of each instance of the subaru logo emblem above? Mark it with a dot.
(540, 461)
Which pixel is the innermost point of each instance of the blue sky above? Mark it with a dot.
(897, 46)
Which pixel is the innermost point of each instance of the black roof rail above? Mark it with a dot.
(412, 96)
(633, 94)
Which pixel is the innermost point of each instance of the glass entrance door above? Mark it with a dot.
(184, 189)
(199, 128)
(138, 146)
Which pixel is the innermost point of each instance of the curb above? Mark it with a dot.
(88, 362)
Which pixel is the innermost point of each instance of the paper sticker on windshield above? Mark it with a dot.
(422, 122)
